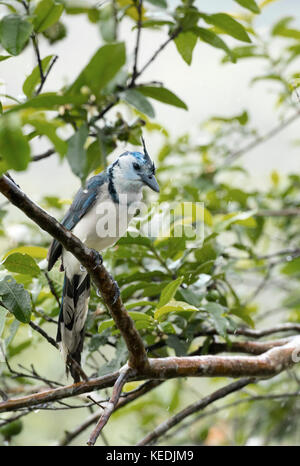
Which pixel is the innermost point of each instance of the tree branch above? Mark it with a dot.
(173, 36)
(123, 401)
(42, 156)
(201, 404)
(139, 8)
(260, 139)
(110, 407)
(267, 364)
(249, 399)
(243, 331)
(45, 76)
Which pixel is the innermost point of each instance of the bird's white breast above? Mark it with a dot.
(103, 224)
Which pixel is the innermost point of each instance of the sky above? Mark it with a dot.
(207, 87)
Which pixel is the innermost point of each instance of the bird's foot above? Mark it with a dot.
(116, 291)
(98, 260)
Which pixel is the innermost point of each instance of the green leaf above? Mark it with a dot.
(163, 95)
(292, 267)
(243, 313)
(119, 359)
(137, 100)
(217, 313)
(139, 240)
(101, 69)
(4, 57)
(206, 253)
(47, 128)
(160, 3)
(14, 32)
(169, 291)
(245, 51)
(76, 154)
(17, 349)
(94, 157)
(15, 298)
(228, 25)
(185, 44)
(107, 23)
(173, 306)
(249, 4)
(34, 78)
(3, 313)
(21, 263)
(46, 13)
(14, 147)
(34, 251)
(48, 101)
(292, 301)
(242, 118)
(282, 29)
(141, 303)
(245, 219)
(106, 324)
(214, 40)
(10, 7)
(180, 347)
(140, 316)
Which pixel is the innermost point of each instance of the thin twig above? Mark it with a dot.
(260, 139)
(45, 76)
(191, 409)
(52, 288)
(173, 36)
(250, 399)
(125, 398)
(45, 155)
(111, 405)
(139, 8)
(44, 334)
(38, 56)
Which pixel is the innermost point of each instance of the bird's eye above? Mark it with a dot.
(136, 166)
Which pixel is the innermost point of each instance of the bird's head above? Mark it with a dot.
(133, 170)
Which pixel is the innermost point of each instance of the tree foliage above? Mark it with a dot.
(174, 291)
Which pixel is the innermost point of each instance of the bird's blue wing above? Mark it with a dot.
(83, 201)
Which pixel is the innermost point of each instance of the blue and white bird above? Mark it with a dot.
(117, 188)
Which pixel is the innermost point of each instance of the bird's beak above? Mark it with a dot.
(150, 181)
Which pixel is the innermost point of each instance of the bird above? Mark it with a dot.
(114, 190)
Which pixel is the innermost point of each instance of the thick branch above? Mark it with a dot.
(268, 364)
(100, 276)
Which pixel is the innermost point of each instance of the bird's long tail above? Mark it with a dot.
(72, 317)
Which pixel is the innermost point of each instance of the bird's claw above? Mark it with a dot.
(117, 292)
(98, 260)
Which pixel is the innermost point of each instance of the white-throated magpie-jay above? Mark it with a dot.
(96, 208)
